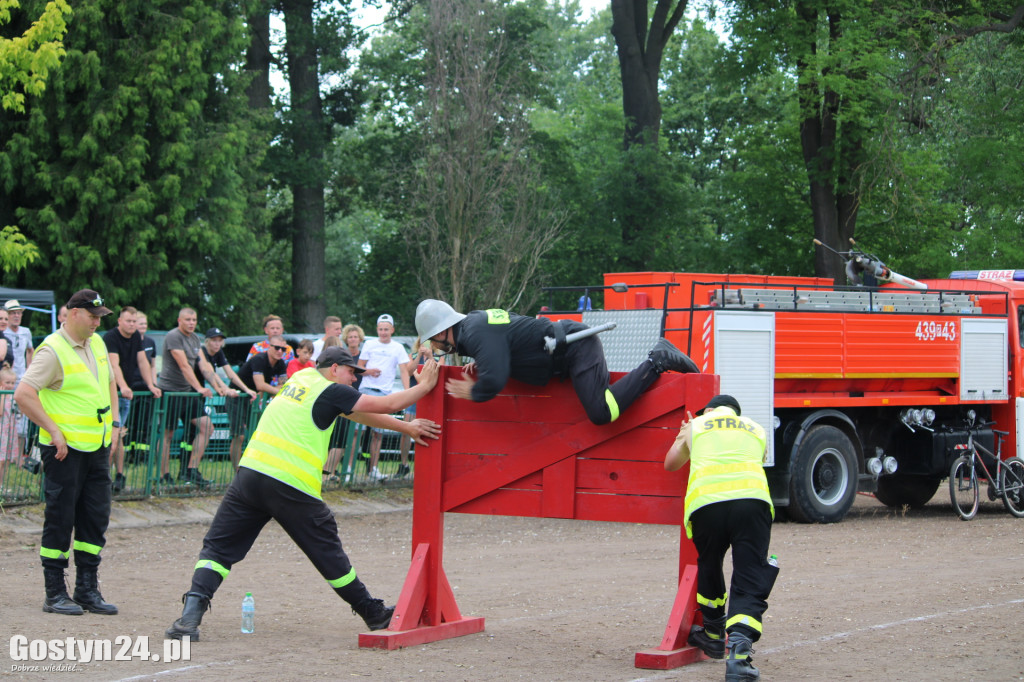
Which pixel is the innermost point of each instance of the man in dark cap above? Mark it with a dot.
(727, 504)
(279, 478)
(70, 392)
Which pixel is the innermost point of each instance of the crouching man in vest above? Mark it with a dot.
(70, 392)
(727, 504)
(279, 478)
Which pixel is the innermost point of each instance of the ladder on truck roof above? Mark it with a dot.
(925, 302)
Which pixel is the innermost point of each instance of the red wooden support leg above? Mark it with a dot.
(409, 626)
(673, 651)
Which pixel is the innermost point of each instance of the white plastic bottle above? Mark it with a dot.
(248, 613)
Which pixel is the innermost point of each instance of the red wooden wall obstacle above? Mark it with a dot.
(532, 452)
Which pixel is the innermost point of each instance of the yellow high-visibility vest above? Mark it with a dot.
(287, 445)
(726, 462)
(81, 408)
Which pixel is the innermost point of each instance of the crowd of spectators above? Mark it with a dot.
(192, 370)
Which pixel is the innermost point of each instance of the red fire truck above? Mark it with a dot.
(864, 388)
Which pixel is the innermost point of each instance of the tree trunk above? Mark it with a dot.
(257, 57)
(640, 52)
(833, 205)
(308, 140)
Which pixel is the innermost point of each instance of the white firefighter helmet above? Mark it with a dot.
(433, 317)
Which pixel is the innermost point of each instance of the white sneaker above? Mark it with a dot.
(376, 475)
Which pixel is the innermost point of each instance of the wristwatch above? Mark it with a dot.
(116, 424)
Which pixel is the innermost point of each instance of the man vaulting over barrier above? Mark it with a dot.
(507, 346)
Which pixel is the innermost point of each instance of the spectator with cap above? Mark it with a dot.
(332, 328)
(273, 326)
(236, 404)
(69, 391)
(383, 359)
(21, 336)
(21, 339)
(131, 373)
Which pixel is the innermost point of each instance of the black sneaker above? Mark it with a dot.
(193, 477)
(667, 358)
(699, 637)
(118, 484)
(403, 471)
(166, 479)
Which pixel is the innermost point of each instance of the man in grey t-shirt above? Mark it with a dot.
(181, 356)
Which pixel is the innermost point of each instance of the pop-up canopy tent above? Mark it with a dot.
(40, 300)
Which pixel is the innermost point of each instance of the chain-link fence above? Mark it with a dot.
(184, 445)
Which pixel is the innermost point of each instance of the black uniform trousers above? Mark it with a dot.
(77, 493)
(746, 526)
(250, 502)
(586, 366)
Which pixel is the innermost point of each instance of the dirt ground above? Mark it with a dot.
(882, 596)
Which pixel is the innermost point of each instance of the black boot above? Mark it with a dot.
(87, 593)
(667, 358)
(738, 667)
(57, 599)
(710, 639)
(191, 616)
(374, 613)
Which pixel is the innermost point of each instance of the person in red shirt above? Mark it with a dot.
(303, 357)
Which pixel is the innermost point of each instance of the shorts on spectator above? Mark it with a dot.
(185, 408)
(373, 391)
(238, 413)
(124, 407)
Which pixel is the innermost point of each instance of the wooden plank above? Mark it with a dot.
(558, 493)
(662, 398)
(391, 640)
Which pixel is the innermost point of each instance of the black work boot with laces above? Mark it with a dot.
(374, 613)
(196, 605)
(739, 667)
(710, 639)
(57, 599)
(87, 593)
(667, 358)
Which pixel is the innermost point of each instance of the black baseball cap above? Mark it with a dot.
(335, 355)
(89, 300)
(723, 400)
(215, 331)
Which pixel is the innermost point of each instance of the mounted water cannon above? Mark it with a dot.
(865, 269)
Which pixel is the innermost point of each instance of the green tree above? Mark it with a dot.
(27, 59)
(25, 63)
(847, 60)
(132, 171)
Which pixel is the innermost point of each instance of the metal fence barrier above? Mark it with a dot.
(167, 440)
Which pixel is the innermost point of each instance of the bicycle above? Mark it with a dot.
(1007, 483)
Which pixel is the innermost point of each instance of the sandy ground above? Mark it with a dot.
(882, 596)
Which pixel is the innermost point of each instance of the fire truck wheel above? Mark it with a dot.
(913, 491)
(824, 476)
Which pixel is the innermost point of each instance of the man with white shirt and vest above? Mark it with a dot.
(69, 391)
(279, 478)
(727, 504)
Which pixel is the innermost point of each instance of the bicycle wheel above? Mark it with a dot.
(963, 488)
(1012, 484)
